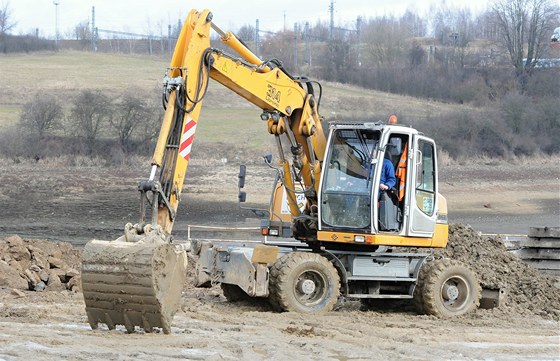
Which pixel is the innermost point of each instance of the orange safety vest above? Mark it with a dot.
(400, 173)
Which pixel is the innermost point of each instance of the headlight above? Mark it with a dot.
(360, 239)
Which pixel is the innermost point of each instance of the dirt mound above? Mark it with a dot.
(528, 292)
(38, 265)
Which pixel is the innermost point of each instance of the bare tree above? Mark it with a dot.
(131, 114)
(417, 54)
(385, 40)
(337, 57)
(279, 46)
(148, 128)
(525, 27)
(6, 21)
(90, 111)
(415, 24)
(82, 32)
(246, 33)
(42, 114)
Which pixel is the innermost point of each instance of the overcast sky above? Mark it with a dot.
(134, 15)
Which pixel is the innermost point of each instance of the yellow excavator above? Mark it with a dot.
(332, 196)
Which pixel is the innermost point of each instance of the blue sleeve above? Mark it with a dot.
(388, 174)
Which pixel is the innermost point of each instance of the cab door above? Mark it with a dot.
(424, 188)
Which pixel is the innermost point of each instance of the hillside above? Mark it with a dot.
(65, 73)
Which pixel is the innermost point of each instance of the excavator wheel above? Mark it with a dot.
(304, 282)
(447, 288)
(133, 283)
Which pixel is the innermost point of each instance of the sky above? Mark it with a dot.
(141, 16)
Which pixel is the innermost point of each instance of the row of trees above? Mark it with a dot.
(511, 33)
(94, 124)
(514, 32)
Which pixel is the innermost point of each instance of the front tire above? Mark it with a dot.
(304, 282)
(447, 288)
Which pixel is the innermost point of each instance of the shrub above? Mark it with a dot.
(41, 114)
(91, 110)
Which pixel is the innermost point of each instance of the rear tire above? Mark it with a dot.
(304, 282)
(447, 288)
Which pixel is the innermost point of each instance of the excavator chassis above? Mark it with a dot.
(135, 280)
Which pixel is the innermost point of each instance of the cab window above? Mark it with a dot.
(425, 177)
(346, 193)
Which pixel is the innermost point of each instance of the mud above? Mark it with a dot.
(46, 325)
(527, 291)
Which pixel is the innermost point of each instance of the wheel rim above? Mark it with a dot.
(310, 288)
(455, 293)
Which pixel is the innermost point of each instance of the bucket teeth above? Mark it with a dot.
(92, 320)
(128, 324)
(109, 322)
(147, 327)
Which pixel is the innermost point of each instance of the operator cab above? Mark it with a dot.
(351, 203)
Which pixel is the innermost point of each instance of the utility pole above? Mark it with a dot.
(284, 20)
(169, 38)
(56, 3)
(331, 28)
(257, 39)
(93, 30)
(295, 46)
(307, 43)
(358, 38)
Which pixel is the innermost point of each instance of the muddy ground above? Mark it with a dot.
(52, 326)
(74, 203)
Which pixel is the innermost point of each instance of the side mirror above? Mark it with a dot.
(268, 158)
(242, 197)
(241, 176)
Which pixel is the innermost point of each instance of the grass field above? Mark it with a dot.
(226, 117)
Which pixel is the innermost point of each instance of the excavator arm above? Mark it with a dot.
(288, 105)
(137, 279)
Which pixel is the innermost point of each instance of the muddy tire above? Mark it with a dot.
(418, 297)
(446, 289)
(304, 282)
(233, 293)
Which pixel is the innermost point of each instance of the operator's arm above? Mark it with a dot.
(388, 179)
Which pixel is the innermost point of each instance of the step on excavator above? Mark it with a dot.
(346, 198)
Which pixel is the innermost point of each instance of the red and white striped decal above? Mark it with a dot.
(187, 138)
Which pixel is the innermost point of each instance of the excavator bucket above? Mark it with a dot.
(133, 283)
